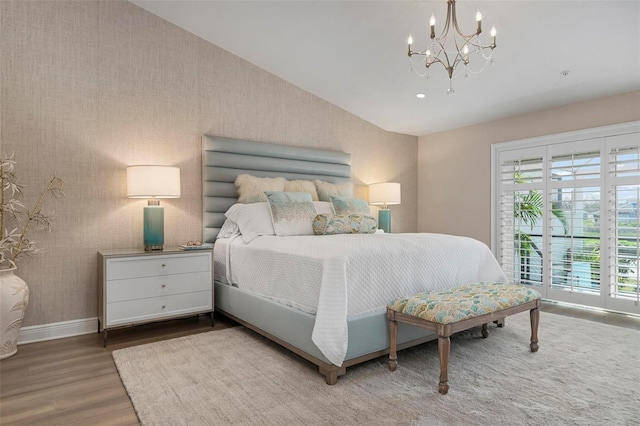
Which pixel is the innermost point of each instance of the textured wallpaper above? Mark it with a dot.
(90, 87)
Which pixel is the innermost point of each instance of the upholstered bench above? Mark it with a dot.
(449, 311)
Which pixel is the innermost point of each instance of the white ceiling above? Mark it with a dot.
(353, 53)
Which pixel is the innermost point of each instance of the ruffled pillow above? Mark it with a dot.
(330, 224)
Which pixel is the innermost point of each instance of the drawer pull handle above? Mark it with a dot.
(163, 306)
(164, 285)
(163, 265)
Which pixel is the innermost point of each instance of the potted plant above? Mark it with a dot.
(16, 222)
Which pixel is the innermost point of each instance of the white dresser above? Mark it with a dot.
(137, 287)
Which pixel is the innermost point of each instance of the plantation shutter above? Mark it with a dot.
(623, 219)
(521, 212)
(565, 215)
(574, 206)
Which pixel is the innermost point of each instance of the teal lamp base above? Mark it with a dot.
(384, 220)
(153, 228)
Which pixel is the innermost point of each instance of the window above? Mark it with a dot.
(566, 215)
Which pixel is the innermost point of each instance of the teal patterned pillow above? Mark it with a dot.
(291, 212)
(347, 206)
(332, 224)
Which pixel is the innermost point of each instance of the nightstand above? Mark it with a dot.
(137, 287)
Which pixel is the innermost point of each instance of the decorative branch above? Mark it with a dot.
(14, 244)
(35, 216)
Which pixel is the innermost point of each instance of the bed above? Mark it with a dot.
(339, 318)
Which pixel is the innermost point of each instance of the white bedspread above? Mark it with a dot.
(340, 276)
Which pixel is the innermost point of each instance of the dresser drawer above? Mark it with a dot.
(160, 285)
(146, 266)
(144, 310)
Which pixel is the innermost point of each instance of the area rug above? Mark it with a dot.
(585, 373)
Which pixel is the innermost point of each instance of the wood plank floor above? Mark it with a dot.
(74, 381)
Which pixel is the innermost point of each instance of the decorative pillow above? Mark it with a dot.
(328, 224)
(323, 207)
(326, 190)
(251, 189)
(291, 212)
(253, 220)
(229, 229)
(347, 206)
(301, 186)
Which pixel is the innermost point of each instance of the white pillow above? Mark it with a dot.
(323, 207)
(326, 190)
(301, 186)
(292, 213)
(251, 189)
(253, 220)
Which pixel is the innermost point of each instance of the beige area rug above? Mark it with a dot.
(585, 373)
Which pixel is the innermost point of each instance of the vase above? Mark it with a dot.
(15, 297)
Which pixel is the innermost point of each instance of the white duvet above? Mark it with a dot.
(339, 276)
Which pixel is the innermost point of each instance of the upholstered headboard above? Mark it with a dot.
(223, 159)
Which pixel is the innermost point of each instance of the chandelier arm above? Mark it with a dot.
(457, 28)
(446, 65)
(478, 45)
(445, 30)
(436, 57)
(459, 55)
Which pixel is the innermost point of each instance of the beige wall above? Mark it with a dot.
(89, 87)
(454, 167)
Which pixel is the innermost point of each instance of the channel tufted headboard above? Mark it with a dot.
(223, 159)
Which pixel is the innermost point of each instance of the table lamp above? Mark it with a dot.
(153, 182)
(384, 194)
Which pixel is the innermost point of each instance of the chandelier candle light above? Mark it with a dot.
(451, 50)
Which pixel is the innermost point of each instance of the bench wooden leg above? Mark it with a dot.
(485, 330)
(444, 346)
(534, 315)
(393, 340)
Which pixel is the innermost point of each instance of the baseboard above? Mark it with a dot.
(57, 330)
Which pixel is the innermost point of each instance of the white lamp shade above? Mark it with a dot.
(153, 181)
(384, 193)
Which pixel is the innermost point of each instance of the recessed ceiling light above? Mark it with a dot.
(420, 95)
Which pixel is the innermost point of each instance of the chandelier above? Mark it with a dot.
(452, 49)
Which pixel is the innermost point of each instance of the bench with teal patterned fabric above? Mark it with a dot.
(449, 311)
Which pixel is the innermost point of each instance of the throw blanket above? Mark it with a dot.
(338, 276)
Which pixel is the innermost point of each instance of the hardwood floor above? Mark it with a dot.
(74, 381)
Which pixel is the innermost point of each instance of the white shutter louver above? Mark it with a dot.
(574, 222)
(624, 223)
(521, 215)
